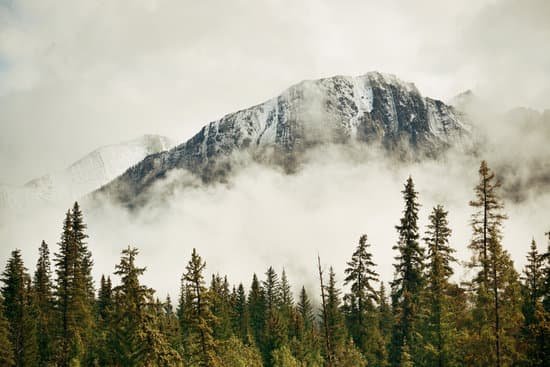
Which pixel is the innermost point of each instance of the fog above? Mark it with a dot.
(265, 217)
(78, 75)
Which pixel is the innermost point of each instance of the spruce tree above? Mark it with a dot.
(241, 323)
(335, 320)
(487, 217)
(256, 309)
(201, 320)
(221, 307)
(6, 347)
(287, 305)
(74, 293)
(496, 314)
(44, 303)
(439, 328)
(535, 320)
(407, 286)
(359, 303)
(18, 309)
(274, 331)
(135, 337)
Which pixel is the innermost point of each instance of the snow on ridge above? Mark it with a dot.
(87, 174)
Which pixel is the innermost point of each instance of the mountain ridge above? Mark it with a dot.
(373, 109)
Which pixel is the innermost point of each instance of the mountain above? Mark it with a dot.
(373, 109)
(85, 175)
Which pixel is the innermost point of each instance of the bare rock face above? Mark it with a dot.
(373, 109)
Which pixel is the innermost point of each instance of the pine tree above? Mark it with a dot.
(221, 307)
(361, 315)
(496, 313)
(489, 216)
(43, 299)
(104, 313)
(201, 319)
(241, 322)
(440, 329)
(335, 320)
(6, 347)
(18, 308)
(305, 343)
(408, 283)
(274, 331)
(256, 309)
(135, 338)
(305, 310)
(535, 331)
(287, 305)
(74, 293)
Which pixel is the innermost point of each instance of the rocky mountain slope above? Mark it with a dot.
(374, 109)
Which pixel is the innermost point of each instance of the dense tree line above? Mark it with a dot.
(501, 317)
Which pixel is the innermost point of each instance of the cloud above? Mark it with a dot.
(264, 217)
(78, 75)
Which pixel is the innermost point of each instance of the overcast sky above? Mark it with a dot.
(75, 75)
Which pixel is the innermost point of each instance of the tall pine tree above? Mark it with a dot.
(18, 308)
(201, 321)
(359, 304)
(43, 299)
(407, 286)
(440, 327)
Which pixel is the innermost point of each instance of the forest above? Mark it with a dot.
(58, 315)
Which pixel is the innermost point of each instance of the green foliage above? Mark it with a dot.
(19, 311)
(42, 294)
(135, 337)
(200, 320)
(359, 304)
(233, 353)
(440, 329)
(407, 286)
(74, 292)
(6, 347)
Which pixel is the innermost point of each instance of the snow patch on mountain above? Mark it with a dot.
(85, 175)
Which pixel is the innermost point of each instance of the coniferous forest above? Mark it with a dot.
(58, 315)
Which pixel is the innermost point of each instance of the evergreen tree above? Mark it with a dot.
(241, 323)
(221, 307)
(487, 217)
(104, 313)
(43, 300)
(407, 286)
(201, 320)
(334, 319)
(135, 338)
(274, 331)
(360, 310)
(74, 293)
(535, 331)
(16, 295)
(440, 328)
(305, 343)
(6, 347)
(496, 314)
(287, 305)
(256, 309)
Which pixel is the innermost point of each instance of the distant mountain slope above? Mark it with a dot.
(85, 175)
(371, 109)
